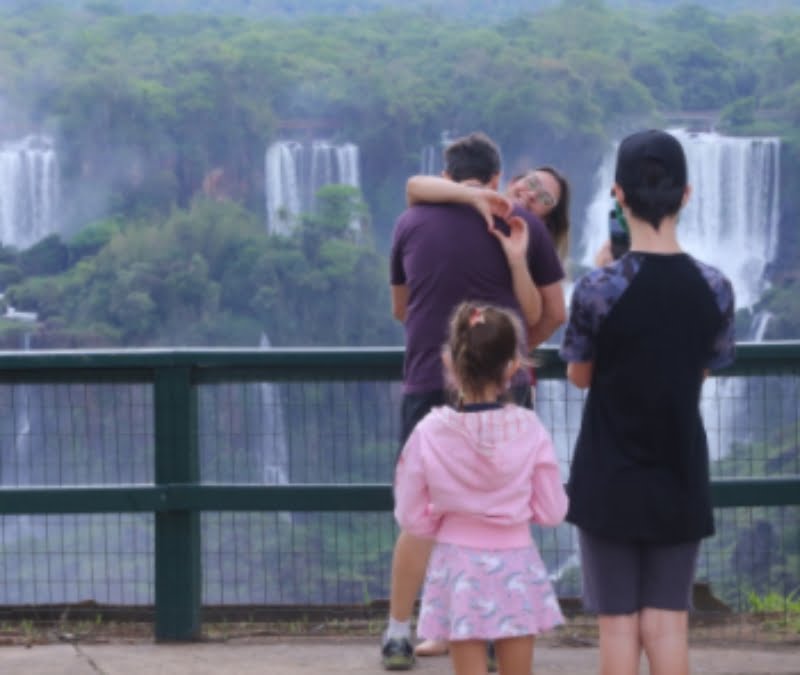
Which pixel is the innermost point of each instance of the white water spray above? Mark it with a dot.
(295, 172)
(29, 191)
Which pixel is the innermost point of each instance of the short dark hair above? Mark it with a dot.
(651, 170)
(474, 156)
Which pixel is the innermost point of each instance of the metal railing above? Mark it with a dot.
(177, 493)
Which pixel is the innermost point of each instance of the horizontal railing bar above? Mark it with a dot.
(249, 363)
(311, 497)
(106, 499)
(729, 492)
(57, 375)
(206, 358)
(784, 491)
(190, 497)
(362, 372)
(767, 356)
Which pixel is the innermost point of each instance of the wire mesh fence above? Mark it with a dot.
(271, 432)
(77, 558)
(76, 433)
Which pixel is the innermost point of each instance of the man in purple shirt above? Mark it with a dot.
(442, 255)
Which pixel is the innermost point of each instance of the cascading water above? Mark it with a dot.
(731, 219)
(431, 160)
(760, 321)
(295, 171)
(29, 191)
(283, 195)
(275, 452)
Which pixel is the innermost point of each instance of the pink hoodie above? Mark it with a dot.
(478, 479)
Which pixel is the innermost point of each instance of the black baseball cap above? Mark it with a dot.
(643, 147)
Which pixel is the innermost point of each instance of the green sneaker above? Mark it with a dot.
(491, 657)
(397, 654)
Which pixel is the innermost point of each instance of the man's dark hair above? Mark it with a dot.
(651, 170)
(472, 157)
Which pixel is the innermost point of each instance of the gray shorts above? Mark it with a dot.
(623, 577)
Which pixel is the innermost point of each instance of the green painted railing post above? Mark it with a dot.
(177, 546)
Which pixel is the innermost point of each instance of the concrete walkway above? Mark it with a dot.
(353, 656)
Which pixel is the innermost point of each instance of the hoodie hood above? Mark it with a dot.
(478, 478)
(484, 449)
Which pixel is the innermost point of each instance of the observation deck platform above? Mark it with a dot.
(352, 656)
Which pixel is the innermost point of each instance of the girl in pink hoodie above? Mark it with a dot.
(473, 479)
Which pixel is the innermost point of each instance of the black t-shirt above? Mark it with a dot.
(650, 324)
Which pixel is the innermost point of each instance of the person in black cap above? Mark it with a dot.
(643, 333)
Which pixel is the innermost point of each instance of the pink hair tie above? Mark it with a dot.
(476, 316)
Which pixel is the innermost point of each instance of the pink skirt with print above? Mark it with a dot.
(485, 594)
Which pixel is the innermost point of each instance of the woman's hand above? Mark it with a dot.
(515, 246)
(489, 204)
(515, 243)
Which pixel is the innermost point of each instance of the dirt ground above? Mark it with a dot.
(768, 631)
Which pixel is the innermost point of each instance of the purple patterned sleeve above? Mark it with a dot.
(594, 295)
(578, 343)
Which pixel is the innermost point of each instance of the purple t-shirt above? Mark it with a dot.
(444, 254)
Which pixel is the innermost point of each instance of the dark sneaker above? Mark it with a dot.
(397, 654)
(491, 657)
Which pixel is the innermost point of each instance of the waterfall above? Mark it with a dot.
(347, 160)
(16, 463)
(731, 219)
(430, 161)
(283, 196)
(295, 172)
(760, 321)
(21, 402)
(29, 191)
(274, 449)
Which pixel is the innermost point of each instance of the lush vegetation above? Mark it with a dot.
(208, 274)
(145, 108)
